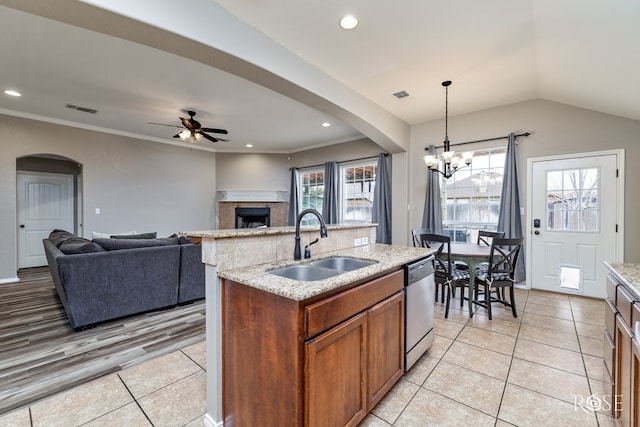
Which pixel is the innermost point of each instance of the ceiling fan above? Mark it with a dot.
(193, 130)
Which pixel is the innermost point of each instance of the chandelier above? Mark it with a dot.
(451, 162)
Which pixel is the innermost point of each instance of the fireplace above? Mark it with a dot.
(253, 217)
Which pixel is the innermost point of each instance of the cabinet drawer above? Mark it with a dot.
(609, 353)
(611, 288)
(635, 319)
(624, 303)
(610, 317)
(331, 311)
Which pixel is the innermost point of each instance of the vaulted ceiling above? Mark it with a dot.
(272, 72)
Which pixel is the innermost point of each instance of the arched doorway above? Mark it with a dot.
(48, 196)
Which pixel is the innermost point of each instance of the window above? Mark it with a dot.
(356, 193)
(311, 193)
(473, 196)
(357, 183)
(572, 200)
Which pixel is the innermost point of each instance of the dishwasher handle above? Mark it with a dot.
(419, 270)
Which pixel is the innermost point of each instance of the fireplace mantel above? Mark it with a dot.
(252, 196)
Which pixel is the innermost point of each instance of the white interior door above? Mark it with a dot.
(44, 202)
(575, 213)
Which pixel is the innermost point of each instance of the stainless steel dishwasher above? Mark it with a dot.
(419, 310)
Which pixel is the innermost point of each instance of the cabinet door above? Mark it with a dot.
(385, 355)
(622, 368)
(635, 383)
(335, 390)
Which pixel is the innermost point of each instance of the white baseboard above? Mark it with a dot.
(210, 422)
(9, 280)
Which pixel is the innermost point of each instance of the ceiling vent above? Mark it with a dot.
(401, 94)
(83, 109)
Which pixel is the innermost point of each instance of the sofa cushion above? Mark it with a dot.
(58, 237)
(117, 244)
(97, 235)
(135, 236)
(78, 245)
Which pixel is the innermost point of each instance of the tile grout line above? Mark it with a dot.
(135, 400)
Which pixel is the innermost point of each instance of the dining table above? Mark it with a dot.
(472, 254)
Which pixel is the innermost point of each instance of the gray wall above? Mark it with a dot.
(138, 185)
(556, 129)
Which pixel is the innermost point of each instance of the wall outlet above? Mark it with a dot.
(357, 242)
(97, 211)
(365, 241)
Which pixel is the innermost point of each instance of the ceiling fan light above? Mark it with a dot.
(197, 137)
(185, 134)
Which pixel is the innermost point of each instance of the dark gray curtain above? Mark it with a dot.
(509, 220)
(381, 213)
(432, 214)
(330, 197)
(294, 197)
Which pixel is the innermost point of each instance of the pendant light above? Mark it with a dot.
(451, 162)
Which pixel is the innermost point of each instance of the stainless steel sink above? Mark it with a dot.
(306, 273)
(342, 263)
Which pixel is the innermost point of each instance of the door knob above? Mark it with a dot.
(537, 232)
(21, 225)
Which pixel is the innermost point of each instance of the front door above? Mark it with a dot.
(44, 202)
(575, 218)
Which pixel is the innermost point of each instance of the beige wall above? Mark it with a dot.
(138, 185)
(556, 129)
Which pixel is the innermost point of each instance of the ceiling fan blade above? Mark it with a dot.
(163, 124)
(209, 137)
(177, 135)
(213, 130)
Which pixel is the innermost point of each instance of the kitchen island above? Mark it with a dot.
(273, 364)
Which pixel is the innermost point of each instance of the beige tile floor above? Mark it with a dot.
(525, 371)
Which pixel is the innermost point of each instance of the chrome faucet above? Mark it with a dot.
(323, 233)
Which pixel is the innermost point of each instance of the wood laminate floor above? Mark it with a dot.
(40, 354)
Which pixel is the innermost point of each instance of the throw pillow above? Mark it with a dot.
(58, 237)
(184, 240)
(78, 245)
(117, 244)
(97, 235)
(135, 236)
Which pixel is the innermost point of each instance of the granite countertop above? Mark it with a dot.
(387, 257)
(628, 274)
(266, 231)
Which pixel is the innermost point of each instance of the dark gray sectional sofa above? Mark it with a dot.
(104, 279)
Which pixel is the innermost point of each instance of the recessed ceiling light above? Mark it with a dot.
(249, 145)
(326, 124)
(12, 92)
(348, 22)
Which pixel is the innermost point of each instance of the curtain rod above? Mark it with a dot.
(487, 139)
(343, 161)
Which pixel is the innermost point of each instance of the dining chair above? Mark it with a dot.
(485, 237)
(417, 234)
(447, 276)
(503, 257)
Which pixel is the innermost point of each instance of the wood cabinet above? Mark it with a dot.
(322, 362)
(621, 353)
